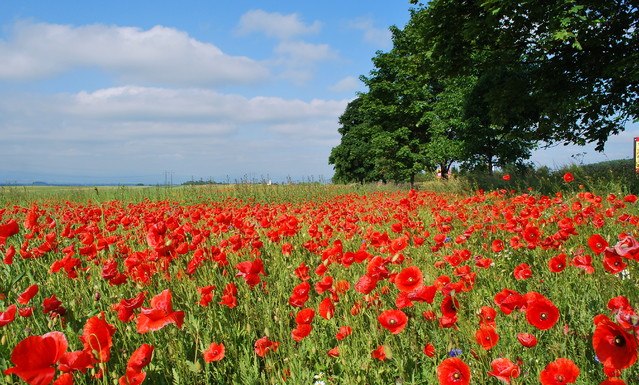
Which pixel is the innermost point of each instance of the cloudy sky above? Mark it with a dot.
(133, 91)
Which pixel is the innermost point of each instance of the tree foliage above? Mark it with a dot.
(483, 82)
(564, 70)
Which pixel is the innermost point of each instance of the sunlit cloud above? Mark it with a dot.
(131, 55)
(274, 24)
(380, 37)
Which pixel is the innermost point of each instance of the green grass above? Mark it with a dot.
(329, 221)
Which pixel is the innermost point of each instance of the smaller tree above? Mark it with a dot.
(353, 159)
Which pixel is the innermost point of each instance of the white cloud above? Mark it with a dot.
(133, 130)
(380, 37)
(136, 103)
(300, 53)
(275, 24)
(158, 56)
(349, 83)
(297, 59)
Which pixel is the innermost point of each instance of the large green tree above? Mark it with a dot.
(415, 117)
(394, 105)
(353, 159)
(560, 71)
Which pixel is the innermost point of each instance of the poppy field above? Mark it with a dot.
(341, 287)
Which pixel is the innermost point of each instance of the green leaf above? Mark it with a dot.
(16, 279)
(176, 377)
(577, 45)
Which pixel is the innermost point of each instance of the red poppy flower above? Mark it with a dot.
(615, 348)
(508, 300)
(449, 306)
(299, 296)
(263, 346)
(141, 357)
(287, 248)
(560, 371)
(423, 294)
(302, 272)
(229, 296)
(325, 284)
(487, 337)
(301, 332)
(447, 321)
(206, 295)
(344, 332)
(583, 262)
(429, 315)
(506, 177)
(326, 308)
(612, 262)
(522, 271)
(132, 377)
(497, 245)
(542, 313)
(159, 314)
(51, 304)
(379, 353)
(597, 243)
(613, 381)
(504, 369)
(7, 316)
(26, 311)
(526, 339)
(305, 316)
(35, 356)
(568, 177)
(619, 303)
(215, 352)
(453, 371)
(126, 306)
(97, 338)
(29, 293)
(628, 247)
(75, 361)
(64, 379)
(9, 254)
(429, 350)
(398, 244)
(531, 234)
(377, 269)
(342, 287)
(250, 271)
(333, 352)
(366, 284)
(393, 320)
(8, 229)
(409, 279)
(487, 316)
(557, 264)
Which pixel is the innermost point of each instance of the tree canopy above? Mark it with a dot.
(483, 82)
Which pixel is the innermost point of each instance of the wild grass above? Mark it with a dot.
(322, 223)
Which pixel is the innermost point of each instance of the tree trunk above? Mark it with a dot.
(442, 166)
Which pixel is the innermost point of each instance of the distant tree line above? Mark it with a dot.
(484, 82)
(200, 182)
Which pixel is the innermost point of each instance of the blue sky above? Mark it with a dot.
(123, 91)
